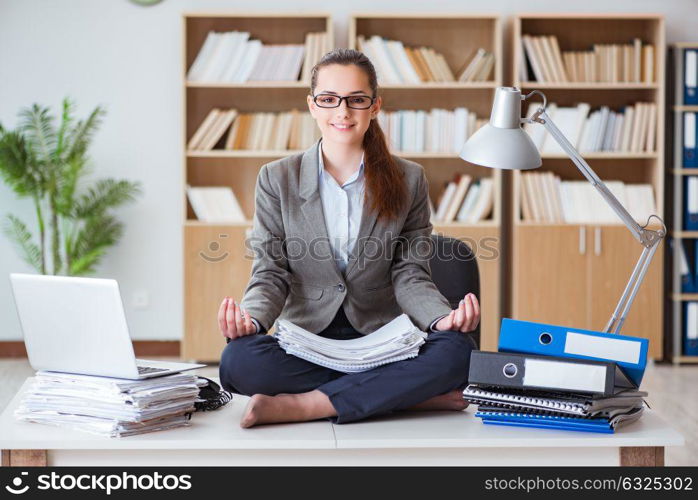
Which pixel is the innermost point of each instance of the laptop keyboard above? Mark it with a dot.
(149, 369)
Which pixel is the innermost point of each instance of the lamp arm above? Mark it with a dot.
(648, 238)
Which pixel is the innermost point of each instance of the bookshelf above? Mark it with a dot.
(457, 37)
(216, 262)
(587, 265)
(679, 173)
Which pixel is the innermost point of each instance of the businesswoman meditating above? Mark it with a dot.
(339, 237)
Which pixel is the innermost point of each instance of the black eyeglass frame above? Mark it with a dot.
(342, 98)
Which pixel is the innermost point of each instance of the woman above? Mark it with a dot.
(339, 236)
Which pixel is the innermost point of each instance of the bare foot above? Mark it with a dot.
(286, 408)
(450, 401)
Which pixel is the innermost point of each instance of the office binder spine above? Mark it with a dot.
(688, 265)
(629, 353)
(690, 329)
(690, 158)
(690, 77)
(545, 373)
(546, 421)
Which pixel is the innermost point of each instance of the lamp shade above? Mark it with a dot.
(502, 143)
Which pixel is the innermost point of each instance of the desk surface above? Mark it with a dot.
(219, 430)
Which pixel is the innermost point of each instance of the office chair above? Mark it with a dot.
(455, 272)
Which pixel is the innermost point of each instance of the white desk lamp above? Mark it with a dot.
(502, 143)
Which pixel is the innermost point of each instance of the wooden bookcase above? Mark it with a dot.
(457, 37)
(216, 261)
(572, 274)
(678, 234)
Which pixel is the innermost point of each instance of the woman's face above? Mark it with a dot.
(343, 124)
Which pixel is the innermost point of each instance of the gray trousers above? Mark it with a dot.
(256, 364)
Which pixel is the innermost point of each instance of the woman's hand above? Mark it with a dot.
(463, 319)
(233, 320)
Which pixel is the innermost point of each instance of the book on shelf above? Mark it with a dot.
(215, 204)
(235, 58)
(436, 130)
(464, 200)
(255, 131)
(316, 46)
(612, 63)
(632, 129)
(396, 63)
(546, 198)
(479, 68)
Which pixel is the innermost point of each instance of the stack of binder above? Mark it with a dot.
(550, 376)
(111, 407)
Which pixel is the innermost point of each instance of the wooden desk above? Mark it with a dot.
(405, 438)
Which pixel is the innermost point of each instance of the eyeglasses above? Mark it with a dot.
(334, 101)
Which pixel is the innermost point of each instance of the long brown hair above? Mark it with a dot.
(385, 186)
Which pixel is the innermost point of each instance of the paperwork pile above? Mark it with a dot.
(400, 339)
(551, 410)
(108, 406)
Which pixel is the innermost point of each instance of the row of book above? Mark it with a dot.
(631, 130)
(465, 200)
(231, 130)
(396, 63)
(546, 198)
(437, 130)
(531, 383)
(613, 63)
(216, 204)
(110, 407)
(234, 57)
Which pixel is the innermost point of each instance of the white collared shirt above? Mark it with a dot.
(342, 206)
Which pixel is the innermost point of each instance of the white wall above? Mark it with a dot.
(128, 58)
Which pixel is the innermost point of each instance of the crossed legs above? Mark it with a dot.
(285, 388)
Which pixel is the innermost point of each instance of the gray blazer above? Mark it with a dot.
(295, 277)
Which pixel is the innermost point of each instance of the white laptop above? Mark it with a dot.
(78, 325)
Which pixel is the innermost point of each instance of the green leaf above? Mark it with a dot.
(67, 184)
(105, 194)
(40, 132)
(79, 137)
(87, 263)
(17, 231)
(65, 127)
(18, 165)
(99, 232)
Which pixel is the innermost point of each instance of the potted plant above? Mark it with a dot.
(48, 164)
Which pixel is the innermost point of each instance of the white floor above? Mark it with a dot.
(672, 394)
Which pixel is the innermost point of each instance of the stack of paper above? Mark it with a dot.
(108, 406)
(581, 412)
(400, 339)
